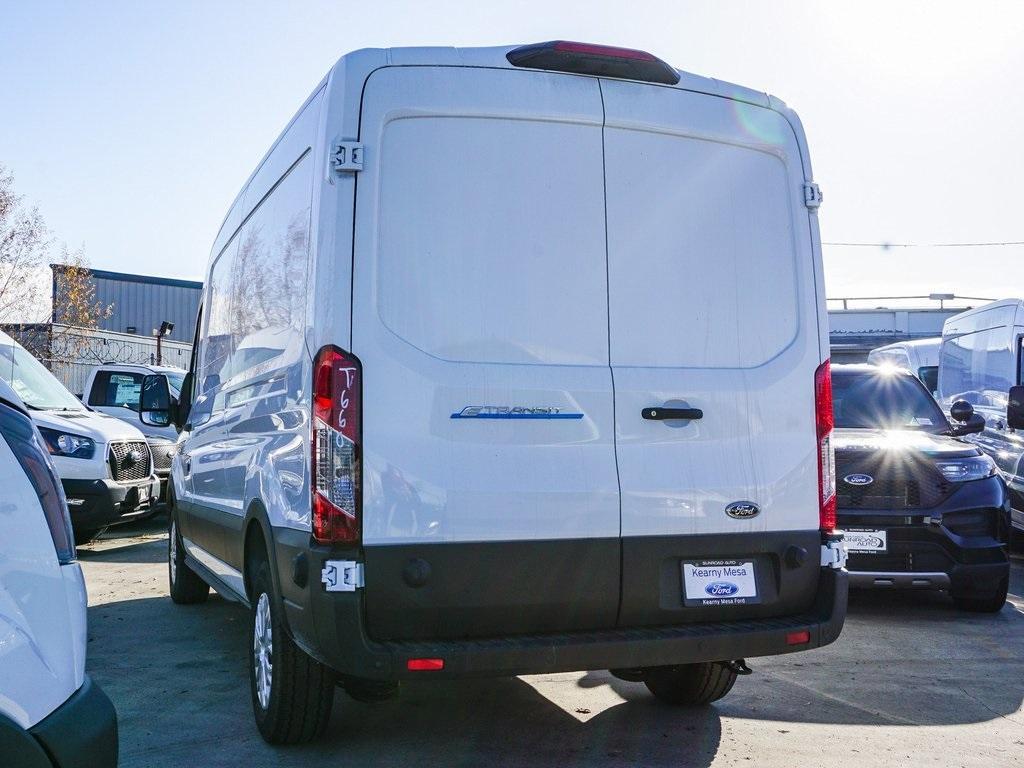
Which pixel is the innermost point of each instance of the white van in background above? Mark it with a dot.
(51, 713)
(512, 360)
(104, 463)
(982, 363)
(920, 357)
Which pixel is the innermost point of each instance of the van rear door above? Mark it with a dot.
(490, 497)
(713, 308)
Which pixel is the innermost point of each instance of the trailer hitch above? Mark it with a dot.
(738, 666)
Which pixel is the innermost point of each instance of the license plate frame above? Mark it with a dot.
(719, 582)
(866, 541)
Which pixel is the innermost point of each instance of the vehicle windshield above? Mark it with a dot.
(884, 400)
(35, 385)
(174, 380)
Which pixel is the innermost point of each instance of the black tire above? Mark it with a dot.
(370, 691)
(984, 601)
(86, 535)
(690, 685)
(292, 700)
(186, 587)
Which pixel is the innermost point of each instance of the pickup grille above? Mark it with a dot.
(898, 482)
(163, 453)
(129, 461)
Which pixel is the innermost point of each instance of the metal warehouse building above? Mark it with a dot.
(141, 303)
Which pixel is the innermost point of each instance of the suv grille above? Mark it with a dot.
(129, 461)
(163, 453)
(899, 482)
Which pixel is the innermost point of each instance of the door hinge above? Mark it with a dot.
(812, 194)
(342, 575)
(346, 157)
(833, 553)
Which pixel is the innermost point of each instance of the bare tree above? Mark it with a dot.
(25, 245)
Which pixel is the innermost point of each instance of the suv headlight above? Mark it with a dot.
(66, 444)
(968, 468)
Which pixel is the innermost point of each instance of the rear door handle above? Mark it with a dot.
(663, 414)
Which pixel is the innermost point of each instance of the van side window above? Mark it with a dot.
(116, 390)
(257, 288)
(977, 367)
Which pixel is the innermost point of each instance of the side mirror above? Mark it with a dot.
(155, 401)
(1015, 408)
(971, 423)
(184, 401)
(961, 410)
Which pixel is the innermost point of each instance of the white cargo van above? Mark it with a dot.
(919, 356)
(982, 363)
(513, 360)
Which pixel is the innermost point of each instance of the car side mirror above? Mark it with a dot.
(184, 401)
(155, 401)
(961, 410)
(971, 423)
(1015, 408)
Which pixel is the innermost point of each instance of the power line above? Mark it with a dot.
(929, 245)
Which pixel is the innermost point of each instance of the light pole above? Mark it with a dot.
(165, 328)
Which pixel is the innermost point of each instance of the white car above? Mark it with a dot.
(513, 360)
(104, 464)
(51, 713)
(920, 357)
(113, 389)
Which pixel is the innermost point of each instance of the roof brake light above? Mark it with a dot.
(590, 59)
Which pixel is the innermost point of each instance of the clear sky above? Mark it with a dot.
(133, 124)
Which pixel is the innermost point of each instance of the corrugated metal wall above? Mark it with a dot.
(144, 305)
(140, 302)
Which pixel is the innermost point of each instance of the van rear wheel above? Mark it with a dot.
(292, 693)
(690, 685)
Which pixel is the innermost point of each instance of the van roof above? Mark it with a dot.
(496, 58)
(364, 61)
(952, 323)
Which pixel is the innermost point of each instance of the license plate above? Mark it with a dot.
(865, 540)
(143, 494)
(719, 582)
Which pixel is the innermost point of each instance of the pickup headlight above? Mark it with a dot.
(969, 468)
(66, 444)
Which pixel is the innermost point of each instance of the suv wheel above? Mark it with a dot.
(984, 601)
(186, 587)
(292, 693)
(690, 685)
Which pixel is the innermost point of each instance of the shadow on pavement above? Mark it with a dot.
(178, 677)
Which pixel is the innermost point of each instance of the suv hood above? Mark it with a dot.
(907, 440)
(98, 426)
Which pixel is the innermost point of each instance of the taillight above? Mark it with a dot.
(28, 448)
(826, 453)
(590, 59)
(337, 395)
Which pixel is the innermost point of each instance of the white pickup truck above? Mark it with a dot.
(113, 389)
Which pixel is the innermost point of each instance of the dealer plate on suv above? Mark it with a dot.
(865, 540)
(719, 582)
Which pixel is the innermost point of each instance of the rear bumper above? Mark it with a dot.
(81, 733)
(102, 502)
(331, 628)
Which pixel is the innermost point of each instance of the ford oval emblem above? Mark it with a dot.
(721, 589)
(858, 479)
(742, 510)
